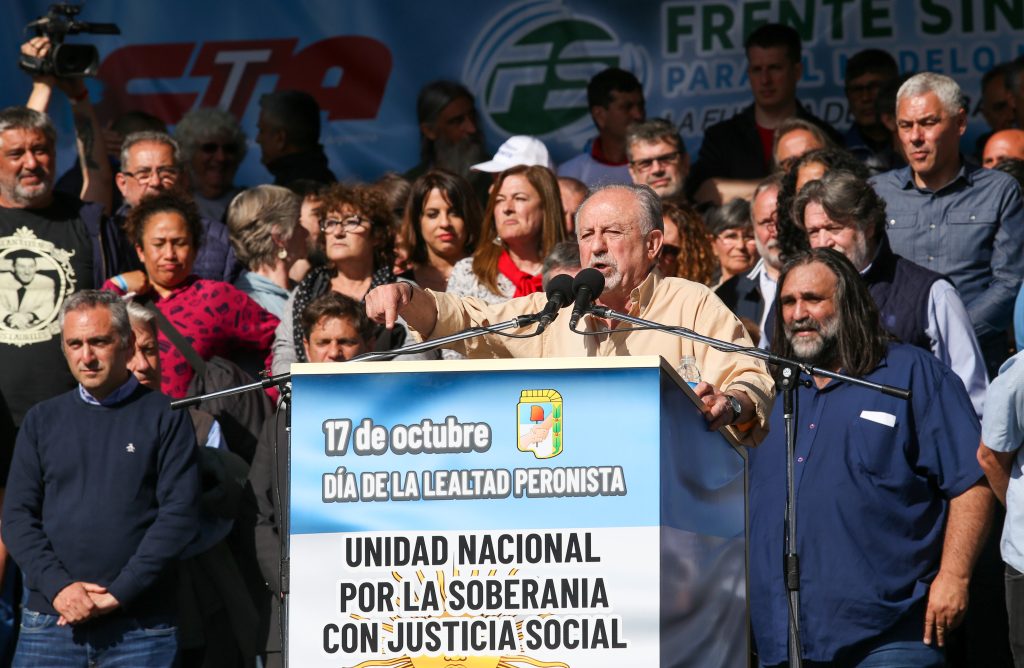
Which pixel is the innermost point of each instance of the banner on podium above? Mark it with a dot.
(475, 514)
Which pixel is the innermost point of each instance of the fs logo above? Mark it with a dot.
(355, 69)
(530, 67)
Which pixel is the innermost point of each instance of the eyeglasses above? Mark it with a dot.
(645, 164)
(211, 147)
(770, 223)
(350, 224)
(162, 173)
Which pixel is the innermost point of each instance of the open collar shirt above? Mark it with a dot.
(669, 301)
(971, 230)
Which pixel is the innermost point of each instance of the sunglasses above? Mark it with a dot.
(211, 147)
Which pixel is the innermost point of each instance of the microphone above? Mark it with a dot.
(588, 286)
(559, 294)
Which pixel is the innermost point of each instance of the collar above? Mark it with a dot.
(257, 282)
(597, 153)
(905, 177)
(115, 397)
(640, 296)
(882, 255)
(185, 285)
(755, 273)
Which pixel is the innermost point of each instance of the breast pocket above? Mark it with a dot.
(874, 448)
(971, 235)
(901, 226)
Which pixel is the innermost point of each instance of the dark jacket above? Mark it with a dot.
(268, 481)
(900, 289)
(743, 297)
(732, 149)
(304, 166)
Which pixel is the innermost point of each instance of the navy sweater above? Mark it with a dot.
(108, 495)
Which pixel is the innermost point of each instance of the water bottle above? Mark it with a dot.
(688, 370)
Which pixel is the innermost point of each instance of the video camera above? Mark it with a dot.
(66, 60)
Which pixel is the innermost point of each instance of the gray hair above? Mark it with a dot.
(651, 131)
(947, 90)
(846, 199)
(648, 201)
(149, 136)
(204, 124)
(254, 215)
(90, 299)
(733, 215)
(139, 315)
(564, 255)
(23, 118)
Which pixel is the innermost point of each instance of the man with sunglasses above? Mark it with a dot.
(150, 165)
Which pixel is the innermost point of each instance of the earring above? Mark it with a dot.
(496, 241)
(282, 253)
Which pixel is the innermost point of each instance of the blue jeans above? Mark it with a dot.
(114, 642)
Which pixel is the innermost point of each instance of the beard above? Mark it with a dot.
(770, 252)
(28, 196)
(612, 281)
(458, 158)
(816, 350)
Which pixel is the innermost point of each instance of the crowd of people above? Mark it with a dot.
(885, 252)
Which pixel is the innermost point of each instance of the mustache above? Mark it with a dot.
(805, 325)
(603, 258)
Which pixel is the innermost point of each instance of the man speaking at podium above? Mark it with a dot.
(620, 233)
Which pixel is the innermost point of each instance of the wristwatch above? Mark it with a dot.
(736, 407)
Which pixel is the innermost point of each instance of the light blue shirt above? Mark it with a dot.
(117, 396)
(1003, 431)
(264, 292)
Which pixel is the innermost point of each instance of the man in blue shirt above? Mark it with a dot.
(953, 218)
(101, 499)
(1002, 458)
(891, 503)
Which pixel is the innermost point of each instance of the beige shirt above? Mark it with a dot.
(669, 301)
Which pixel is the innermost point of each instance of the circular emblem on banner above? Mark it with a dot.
(530, 66)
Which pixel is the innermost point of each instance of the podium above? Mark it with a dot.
(560, 512)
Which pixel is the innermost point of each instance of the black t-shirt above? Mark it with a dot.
(45, 255)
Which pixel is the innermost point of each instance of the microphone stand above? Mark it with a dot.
(424, 346)
(282, 381)
(787, 382)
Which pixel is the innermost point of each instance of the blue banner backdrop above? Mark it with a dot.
(528, 62)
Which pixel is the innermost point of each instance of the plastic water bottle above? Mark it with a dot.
(688, 370)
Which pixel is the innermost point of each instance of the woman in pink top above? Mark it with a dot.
(216, 317)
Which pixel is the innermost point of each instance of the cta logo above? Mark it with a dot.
(346, 74)
(530, 67)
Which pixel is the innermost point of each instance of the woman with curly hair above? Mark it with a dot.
(216, 317)
(213, 145)
(357, 237)
(691, 256)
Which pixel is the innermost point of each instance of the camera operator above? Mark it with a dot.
(98, 180)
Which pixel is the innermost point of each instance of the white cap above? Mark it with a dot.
(517, 150)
